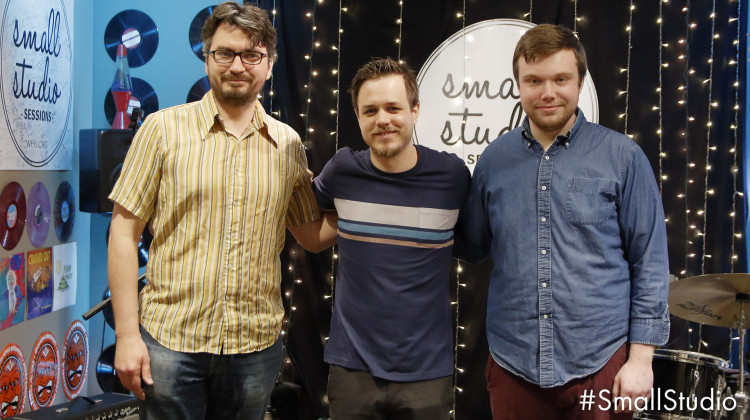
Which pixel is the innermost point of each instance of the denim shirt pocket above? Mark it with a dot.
(590, 201)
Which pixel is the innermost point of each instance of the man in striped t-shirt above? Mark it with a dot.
(390, 346)
(220, 180)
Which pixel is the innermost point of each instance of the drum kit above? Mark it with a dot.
(690, 385)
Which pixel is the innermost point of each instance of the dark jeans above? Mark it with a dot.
(357, 395)
(512, 397)
(201, 386)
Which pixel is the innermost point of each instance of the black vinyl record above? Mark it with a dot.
(12, 215)
(194, 33)
(137, 31)
(105, 372)
(64, 211)
(143, 97)
(198, 89)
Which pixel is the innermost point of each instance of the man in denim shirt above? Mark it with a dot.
(571, 214)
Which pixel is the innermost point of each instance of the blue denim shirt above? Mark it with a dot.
(579, 244)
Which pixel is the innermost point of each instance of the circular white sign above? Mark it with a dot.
(468, 96)
(35, 77)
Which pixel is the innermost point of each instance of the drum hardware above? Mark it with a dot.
(680, 375)
(718, 300)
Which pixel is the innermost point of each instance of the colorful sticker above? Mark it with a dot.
(12, 381)
(43, 371)
(76, 360)
(13, 290)
(39, 283)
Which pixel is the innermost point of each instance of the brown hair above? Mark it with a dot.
(382, 67)
(544, 40)
(250, 19)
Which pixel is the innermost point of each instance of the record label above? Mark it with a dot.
(43, 371)
(38, 214)
(64, 211)
(76, 360)
(137, 31)
(12, 214)
(12, 380)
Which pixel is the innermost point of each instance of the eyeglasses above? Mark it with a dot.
(247, 57)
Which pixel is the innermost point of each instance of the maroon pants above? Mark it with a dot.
(512, 397)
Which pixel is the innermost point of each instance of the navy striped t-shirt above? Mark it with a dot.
(391, 314)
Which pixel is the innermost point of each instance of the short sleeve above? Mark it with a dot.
(302, 205)
(324, 185)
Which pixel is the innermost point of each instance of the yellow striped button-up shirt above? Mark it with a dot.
(219, 207)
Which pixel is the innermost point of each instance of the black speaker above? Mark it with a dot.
(101, 157)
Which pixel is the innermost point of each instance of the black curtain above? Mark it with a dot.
(369, 29)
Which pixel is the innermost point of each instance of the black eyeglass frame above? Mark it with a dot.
(262, 56)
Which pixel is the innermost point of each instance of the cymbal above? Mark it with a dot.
(712, 299)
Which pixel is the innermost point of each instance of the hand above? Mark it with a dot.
(635, 379)
(133, 364)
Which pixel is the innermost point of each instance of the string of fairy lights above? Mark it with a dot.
(709, 148)
(660, 104)
(457, 370)
(629, 30)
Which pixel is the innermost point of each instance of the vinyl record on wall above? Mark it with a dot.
(194, 33)
(64, 211)
(38, 214)
(198, 89)
(12, 215)
(137, 31)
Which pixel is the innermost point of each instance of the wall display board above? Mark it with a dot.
(36, 48)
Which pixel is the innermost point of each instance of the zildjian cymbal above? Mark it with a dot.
(712, 299)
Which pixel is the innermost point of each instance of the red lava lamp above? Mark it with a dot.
(122, 89)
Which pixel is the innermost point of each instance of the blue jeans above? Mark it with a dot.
(209, 386)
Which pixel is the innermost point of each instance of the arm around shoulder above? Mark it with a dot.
(317, 235)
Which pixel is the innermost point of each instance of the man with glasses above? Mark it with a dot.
(220, 180)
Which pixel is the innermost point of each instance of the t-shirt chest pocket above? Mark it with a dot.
(590, 201)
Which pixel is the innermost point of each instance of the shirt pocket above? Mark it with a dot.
(590, 201)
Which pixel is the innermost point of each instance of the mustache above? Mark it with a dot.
(385, 130)
(231, 77)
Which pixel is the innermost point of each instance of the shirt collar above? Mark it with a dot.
(565, 139)
(210, 114)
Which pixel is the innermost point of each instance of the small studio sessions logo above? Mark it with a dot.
(35, 79)
(468, 94)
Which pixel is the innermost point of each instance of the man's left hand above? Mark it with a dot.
(635, 378)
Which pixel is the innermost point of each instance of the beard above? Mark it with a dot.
(234, 95)
(390, 149)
